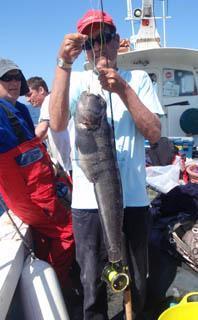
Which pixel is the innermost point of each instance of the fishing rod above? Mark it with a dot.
(115, 274)
(109, 272)
(118, 275)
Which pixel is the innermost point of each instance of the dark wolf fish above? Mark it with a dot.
(97, 159)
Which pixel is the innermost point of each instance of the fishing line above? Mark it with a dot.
(110, 95)
(93, 65)
(167, 8)
(103, 39)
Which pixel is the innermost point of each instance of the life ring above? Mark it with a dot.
(189, 121)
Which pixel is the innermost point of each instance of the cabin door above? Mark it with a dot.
(179, 93)
(156, 78)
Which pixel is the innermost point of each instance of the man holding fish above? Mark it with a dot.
(131, 106)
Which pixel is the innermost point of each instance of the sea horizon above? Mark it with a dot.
(34, 112)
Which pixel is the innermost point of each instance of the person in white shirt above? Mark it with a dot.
(135, 105)
(58, 142)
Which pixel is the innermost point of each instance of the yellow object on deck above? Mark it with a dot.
(187, 309)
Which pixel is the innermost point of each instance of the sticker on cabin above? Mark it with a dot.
(170, 89)
(187, 84)
(169, 75)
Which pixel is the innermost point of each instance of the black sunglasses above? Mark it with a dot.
(10, 77)
(101, 39)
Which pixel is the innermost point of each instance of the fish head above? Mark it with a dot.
(91, 109)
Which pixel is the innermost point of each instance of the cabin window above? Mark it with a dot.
(178, 83)
(197, 76)
(153, 77)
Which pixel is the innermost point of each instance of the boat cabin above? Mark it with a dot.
(174, 73)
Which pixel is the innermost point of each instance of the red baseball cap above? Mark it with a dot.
(94, 16)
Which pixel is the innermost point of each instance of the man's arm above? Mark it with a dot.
(41, 129)
(59, 98)
(147, 122)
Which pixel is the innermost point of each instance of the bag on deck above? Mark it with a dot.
(162, 153)
(183, 238)
(175, 223)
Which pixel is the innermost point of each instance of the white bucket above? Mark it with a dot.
(40, 291)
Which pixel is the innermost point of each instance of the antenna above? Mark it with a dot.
(164, 22)
(130, 17)
(164, 17)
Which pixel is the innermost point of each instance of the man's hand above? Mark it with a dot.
(111, 81)
(72, 46)
(41, 129)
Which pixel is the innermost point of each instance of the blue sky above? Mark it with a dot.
(31, 30)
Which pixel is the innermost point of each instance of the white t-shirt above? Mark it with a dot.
(59, 142)
(129, 141)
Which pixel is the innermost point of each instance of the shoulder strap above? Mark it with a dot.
(15, 124)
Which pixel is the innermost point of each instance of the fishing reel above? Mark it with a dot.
(116, 276)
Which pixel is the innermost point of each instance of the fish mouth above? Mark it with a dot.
(88, 125)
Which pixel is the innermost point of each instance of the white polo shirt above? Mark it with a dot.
(129, 141)
(59, 142)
